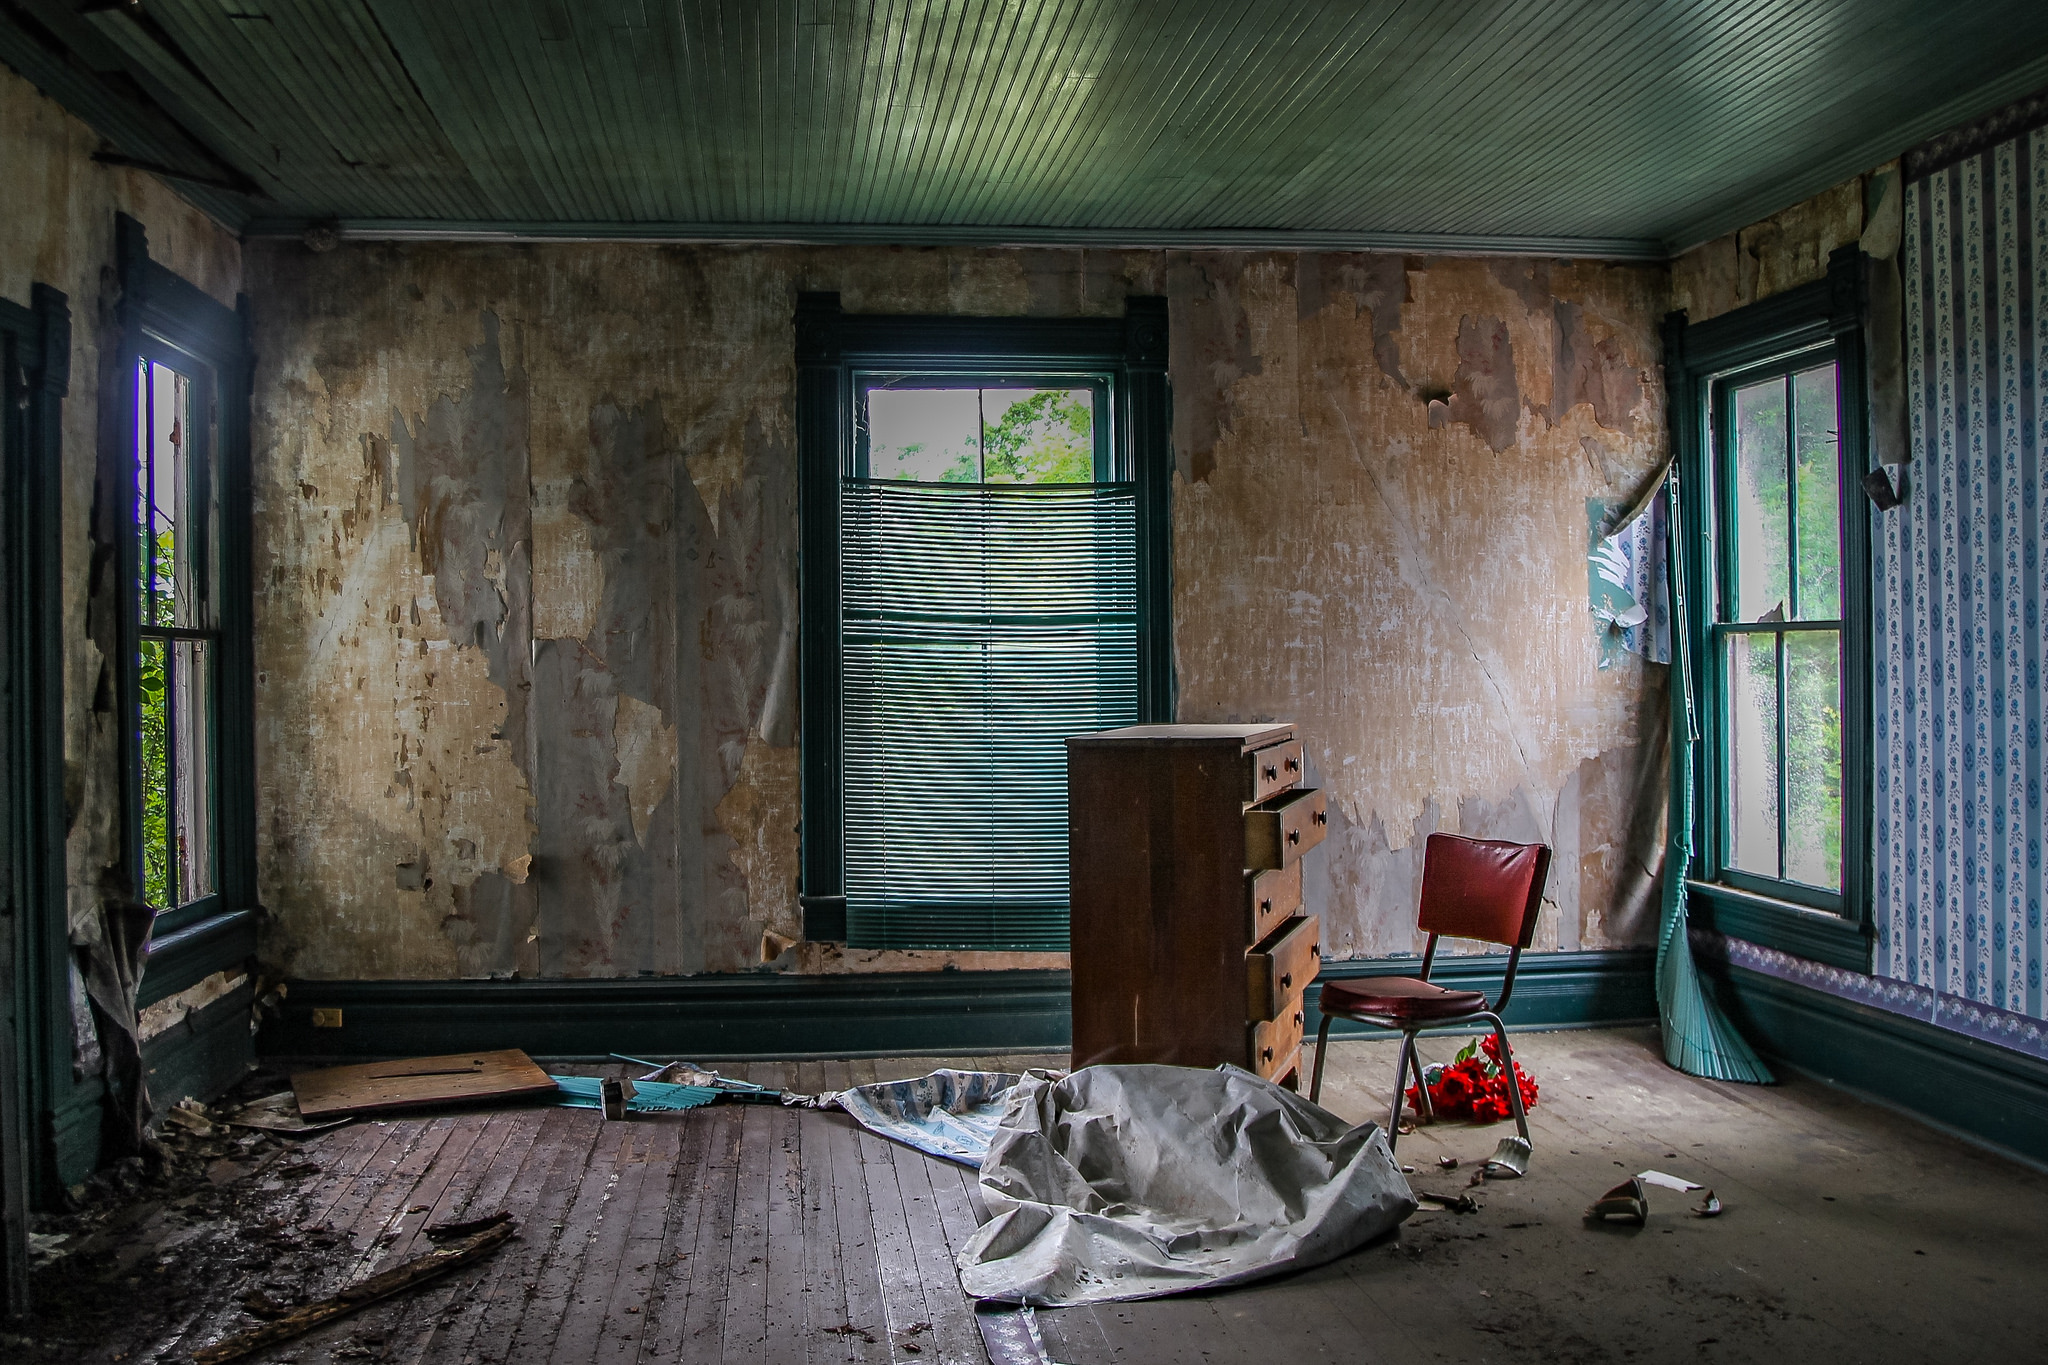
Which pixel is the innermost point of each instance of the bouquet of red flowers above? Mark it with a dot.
(1474, 1086)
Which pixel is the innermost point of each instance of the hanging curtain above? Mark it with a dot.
(1698, 1039)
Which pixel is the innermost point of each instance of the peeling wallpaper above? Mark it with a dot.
(526, 561)
(57, 228)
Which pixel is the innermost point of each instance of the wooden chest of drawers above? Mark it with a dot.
(1189, 942)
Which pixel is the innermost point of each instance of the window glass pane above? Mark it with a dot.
(1012, 435)
(154, 670)
(192, 759)
(174, 511)
(1039, 436)
(1761, 526)
(1818, 477)
(1750, 746)
(1813, 758)
(924, 435)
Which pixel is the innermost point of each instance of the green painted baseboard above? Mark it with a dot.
(75, 1134)
(1991, 1094)
(765, 1015)
(1552, 990)
(204, 1055)
(200, 1057)
(780, 1015)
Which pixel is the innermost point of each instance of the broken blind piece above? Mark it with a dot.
(1130, 1182)
(981, 625)
(949, 1114)
(585, 1092)
(410, 1083)
(1627, 573)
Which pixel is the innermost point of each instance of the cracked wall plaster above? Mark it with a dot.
(595, 717)
(1412, 593)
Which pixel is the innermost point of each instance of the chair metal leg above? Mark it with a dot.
(1400, 1086)
(1315, 1087)
(1507, 1061)
(1511, 1154)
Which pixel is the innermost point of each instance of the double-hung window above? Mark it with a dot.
(178, 472)
(175, 524)
(1768, 418)
(1777, 627)
(983, 567)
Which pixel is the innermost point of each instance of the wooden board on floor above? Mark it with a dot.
(417, 1082)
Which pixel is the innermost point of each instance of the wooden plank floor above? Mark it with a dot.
(750, 1233)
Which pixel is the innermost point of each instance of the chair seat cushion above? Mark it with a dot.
(1401, 998)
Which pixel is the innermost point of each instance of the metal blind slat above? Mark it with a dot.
(981, 626)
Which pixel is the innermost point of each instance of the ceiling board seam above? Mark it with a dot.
(940, 235)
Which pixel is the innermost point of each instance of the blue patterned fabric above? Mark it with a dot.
(1959, 589)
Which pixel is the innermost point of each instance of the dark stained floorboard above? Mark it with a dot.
(784, 1235)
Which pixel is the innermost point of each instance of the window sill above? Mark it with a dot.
(1815, 935)
(188, 955)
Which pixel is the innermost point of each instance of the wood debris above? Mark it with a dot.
(299, 1321)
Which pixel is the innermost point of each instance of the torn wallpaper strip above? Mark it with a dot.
(1627, 574)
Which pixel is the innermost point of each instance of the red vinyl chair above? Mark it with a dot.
(1471, 888)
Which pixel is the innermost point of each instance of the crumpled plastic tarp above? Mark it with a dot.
(950, 1114)
(1129, 1182)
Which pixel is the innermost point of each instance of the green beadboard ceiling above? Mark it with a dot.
(1608, 127)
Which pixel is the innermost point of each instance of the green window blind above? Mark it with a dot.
(982, 624)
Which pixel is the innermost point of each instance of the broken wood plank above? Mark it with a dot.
(300, 1321)
(414, 1082)
(469, 1227)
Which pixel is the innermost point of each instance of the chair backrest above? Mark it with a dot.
(1482, 888)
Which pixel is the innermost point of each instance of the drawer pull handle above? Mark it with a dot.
(1286, 980)
(1294, 765)
(1266, 1054)
(1293, 836)
(1272, 773)
(1297, 1018)
(1315, 950)
(1266, 906)
(1322, 817)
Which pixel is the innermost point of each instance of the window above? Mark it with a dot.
(175, 525)
(1768, 419)
(1778, 625)
(176, 466)
(983, 532)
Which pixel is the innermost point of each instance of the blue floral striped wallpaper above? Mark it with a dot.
(1960, 585)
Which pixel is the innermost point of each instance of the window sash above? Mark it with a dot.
(179, 870)
(1725, 634)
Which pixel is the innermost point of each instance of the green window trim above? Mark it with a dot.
(840, 358)
(35, 1036)
(1705, 362)
(168, 321)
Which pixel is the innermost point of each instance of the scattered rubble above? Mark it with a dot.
(206, 1222)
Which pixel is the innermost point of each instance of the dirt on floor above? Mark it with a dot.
(208, 1220)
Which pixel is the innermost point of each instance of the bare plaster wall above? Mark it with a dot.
(526, 563)
(1787, 249)
(57, 228)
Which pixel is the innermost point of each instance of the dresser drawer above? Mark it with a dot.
(1282, 969)
(1271, 898)
(1277, 1043)
(1280, 830)
(1272, 770)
